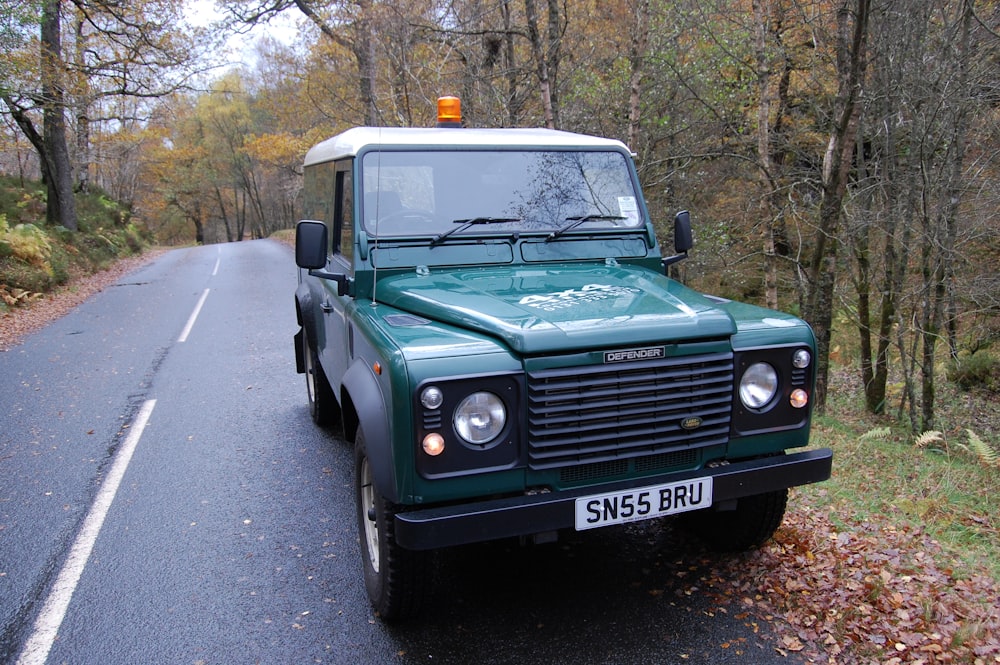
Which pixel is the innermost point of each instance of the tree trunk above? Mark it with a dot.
(762, 15)
(241, 214)
(24, 123)
(224, 214)
(512, 80)
(253, 194)
(362, 46)
(194, 216)
(554, 56)
(955, 184)
(930, 317)
(637, 56)
(541, 63)
(939, 244)
(851, 41)
(199, 230)
(61, 207)
(81, 104)
(861, 249)
(364, 53)
(900, 173)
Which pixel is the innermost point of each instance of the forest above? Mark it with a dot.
(840, 158)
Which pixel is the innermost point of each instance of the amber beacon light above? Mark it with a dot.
(449, 112)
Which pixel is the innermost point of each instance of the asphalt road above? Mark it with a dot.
(165, 498)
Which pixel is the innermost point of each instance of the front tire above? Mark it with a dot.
(753, 522)
(397, 579)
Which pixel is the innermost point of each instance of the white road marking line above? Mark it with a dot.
(193, 318)
(36, 649)
(215, 270)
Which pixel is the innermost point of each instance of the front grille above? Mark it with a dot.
(601, 413)
(680, 459)
(585, 472)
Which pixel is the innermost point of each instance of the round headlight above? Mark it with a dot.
(758, 385)
(431, 397)
(480, 418)
(801, 359)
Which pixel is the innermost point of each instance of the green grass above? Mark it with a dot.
(946, 491)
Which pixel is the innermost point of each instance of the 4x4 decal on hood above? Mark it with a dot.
(550, 302)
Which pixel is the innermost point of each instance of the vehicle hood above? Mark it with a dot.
(537, 310)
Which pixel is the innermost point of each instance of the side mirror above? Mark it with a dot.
(683, 241)
(311, 240)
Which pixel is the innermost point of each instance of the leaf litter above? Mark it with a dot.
(863, 593)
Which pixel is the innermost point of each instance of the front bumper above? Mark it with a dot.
(444, 526)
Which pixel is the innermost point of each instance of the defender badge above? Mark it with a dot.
(652, 353)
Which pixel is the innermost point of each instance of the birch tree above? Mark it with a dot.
(851, 59)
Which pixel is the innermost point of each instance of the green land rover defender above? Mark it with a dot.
(485, 314)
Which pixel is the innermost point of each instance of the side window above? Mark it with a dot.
(343, 235)
(318, 195)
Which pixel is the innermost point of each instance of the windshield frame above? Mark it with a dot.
(521, 190)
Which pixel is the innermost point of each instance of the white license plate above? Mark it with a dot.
(643, 503)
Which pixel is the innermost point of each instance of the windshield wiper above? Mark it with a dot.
(577, 221)
(466, 223)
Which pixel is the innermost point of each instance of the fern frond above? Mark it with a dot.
(927, 438)
(877, 434)
(986, 454)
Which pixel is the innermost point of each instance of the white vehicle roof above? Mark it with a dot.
(353, 141)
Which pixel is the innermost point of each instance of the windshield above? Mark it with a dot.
(409, 193)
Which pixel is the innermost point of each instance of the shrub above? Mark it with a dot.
(5, 248)
(18, 274)
(28, 243)
(980, 370)
(133, 239)
(36, 257)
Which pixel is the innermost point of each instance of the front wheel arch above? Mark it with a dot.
(368, 411)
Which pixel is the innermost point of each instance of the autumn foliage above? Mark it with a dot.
(732, 110)
(868, 592)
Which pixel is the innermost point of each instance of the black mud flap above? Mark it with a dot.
(300, 360)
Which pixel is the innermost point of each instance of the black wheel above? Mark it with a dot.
(397, 579)
(755, 519)
(323, 405)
